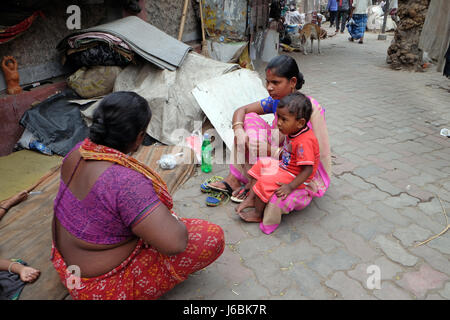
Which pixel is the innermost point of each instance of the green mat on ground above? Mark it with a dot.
(22, 169)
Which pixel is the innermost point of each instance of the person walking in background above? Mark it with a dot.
(342, 14)
(332, 8)
(359, 14)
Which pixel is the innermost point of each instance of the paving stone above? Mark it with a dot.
(441, 243)
(347, 287)
(268, 273)
(355, 244)
(369, 229)
(446, 291)
(421, 219)
(389, 214)
(356, 181)
(433, 257)
(384, 185)
(337, 220)
(368, 171)
(419, 282)
(411, 234)
(422, 179)
(388, 271)
(229, 266)
(300, 251)
(249, 248)
(318, 237)
(395, 252)
(389, 291)
(431, 207)
(359, 209)
(401, 201)
(328, 263)
(243, 291)
(367, 196)
(308, 282)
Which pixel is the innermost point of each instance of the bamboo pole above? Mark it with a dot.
(183, 19)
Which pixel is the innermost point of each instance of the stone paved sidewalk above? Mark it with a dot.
(391, 169)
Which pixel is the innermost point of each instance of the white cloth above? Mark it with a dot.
(361, 6)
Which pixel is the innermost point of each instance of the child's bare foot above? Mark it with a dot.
(250, 216)
(28, 274)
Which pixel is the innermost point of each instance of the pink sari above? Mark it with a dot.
(259, 130)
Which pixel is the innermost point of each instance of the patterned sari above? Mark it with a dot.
(146, 273)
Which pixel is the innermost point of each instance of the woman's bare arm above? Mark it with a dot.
(163, 231)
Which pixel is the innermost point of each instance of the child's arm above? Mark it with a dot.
(285, 189)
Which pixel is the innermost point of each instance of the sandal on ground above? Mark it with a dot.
(228, 189)
(360, 41)
(217, 198)
(204, 186)
(242, 193)
(351, 39)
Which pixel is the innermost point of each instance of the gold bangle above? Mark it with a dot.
(236, 123)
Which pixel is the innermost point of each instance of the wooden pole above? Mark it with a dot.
(183, 19)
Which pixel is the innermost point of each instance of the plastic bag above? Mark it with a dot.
(169, 161)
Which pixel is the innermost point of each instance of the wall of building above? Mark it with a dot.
(35, 50)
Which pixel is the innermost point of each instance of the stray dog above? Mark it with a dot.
(313, 32)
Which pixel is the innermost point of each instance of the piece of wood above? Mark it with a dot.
(183, 19)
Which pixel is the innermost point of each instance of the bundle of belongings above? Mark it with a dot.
(117, 42)
(98, 56)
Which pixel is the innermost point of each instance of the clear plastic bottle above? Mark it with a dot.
(206, 154)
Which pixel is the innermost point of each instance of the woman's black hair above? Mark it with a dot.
(285, 66)
(297, 104)
(119, 119)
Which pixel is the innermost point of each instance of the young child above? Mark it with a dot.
(297, 165)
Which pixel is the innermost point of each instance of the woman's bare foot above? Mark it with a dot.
(28, 274)
(249, 202)
(251, 216)
(231, 180)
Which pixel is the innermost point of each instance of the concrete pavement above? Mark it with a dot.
(391, 172)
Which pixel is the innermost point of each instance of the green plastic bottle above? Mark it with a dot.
(206, 154)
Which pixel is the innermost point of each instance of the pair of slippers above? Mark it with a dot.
(219, 195)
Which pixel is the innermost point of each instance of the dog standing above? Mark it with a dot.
(313, 32)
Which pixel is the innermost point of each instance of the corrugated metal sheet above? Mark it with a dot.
(227, 18)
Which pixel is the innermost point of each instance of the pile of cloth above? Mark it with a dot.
(97, 48)
(120, 40)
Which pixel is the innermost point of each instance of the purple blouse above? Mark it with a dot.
(119, 200)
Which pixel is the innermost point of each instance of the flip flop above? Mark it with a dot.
(204, 186)
(242, 192)
(228, 189)
(217, 198)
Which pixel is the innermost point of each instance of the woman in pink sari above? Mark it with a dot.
(254, 136)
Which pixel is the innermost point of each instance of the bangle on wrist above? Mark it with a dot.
(6, 209)
(10, 265)
(237, 123)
